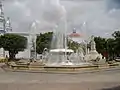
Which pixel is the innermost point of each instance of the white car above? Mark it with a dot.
(117, 59)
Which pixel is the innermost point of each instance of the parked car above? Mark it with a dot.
(117, 59)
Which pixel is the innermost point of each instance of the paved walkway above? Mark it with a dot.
(50, 81)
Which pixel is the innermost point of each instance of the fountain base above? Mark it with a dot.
(69, 64)
(76, 68)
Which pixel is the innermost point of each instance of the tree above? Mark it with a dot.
(111, 47)
(73, 45)
(116, 35)
(106, 47)
(101, 45)
(43, 41)
(13, 43)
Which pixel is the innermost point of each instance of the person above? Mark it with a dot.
(6, 58)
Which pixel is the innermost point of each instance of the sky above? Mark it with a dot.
(92, 17)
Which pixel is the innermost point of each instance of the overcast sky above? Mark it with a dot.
(97, 17)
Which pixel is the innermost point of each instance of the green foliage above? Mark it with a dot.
(43, 41)
(116, 34)
(103, 45)
(13, 43)
(100, 44)
(110, 45)
(0, 44)
(3, 60)
(73, 45)
(106, 46)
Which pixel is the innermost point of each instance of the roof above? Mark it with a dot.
(74, 34)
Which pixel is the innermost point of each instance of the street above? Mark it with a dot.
(54, 81)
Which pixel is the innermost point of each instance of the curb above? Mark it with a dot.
(64, 72)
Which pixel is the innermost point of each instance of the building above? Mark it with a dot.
(77, 37)
(5, 26)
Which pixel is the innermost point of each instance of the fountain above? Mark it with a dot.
(59, 57)
(59, 54)
(32, 41)
(93, 55)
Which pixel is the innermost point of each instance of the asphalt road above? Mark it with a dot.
(50, 81)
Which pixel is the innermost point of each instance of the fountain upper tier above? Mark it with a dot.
(62, 50)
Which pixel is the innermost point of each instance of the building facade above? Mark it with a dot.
(5, 26)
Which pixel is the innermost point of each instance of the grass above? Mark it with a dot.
(3, 60)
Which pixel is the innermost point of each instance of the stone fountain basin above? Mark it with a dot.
(69, 64)
(69, 67)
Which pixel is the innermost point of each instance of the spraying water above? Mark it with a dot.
(32, 41)
(57, 12)
(59, 42)
(59, 55)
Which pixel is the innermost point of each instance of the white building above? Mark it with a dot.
(5, 27)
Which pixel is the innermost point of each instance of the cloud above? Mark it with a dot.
(113, 4)
(53, 12)
(101, 16)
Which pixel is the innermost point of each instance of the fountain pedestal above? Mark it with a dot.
(93, 54)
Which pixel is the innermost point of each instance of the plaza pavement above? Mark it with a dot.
(51, 81)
